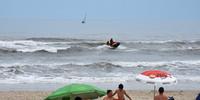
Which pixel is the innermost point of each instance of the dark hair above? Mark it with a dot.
(78, 98)
(121, 86)
(161, 90)
(108, 91)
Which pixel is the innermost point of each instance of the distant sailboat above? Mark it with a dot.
(84, 19)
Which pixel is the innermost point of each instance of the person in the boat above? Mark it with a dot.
(111, 42)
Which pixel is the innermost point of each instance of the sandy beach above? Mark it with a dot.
(67, 45)
(136, 95)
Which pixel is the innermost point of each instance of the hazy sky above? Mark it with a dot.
(63, 17)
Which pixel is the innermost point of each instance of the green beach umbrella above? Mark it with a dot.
(70, 92)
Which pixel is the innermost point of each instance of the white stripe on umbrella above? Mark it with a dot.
(158, 80)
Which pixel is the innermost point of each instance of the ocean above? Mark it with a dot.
(70, 60)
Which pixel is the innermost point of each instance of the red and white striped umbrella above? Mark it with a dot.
(156, 77)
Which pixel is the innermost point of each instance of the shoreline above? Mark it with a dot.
(132, 85)
(135, 95)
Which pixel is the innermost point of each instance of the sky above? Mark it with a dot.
(63, 17)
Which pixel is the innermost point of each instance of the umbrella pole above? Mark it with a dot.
(154, 92)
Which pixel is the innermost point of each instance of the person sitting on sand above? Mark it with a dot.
(161, 95)
(78, 98)
(109, 95)
(121, 92)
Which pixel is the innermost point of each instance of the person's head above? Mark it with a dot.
(109, 93)
(78, 98)
(107, 43)
(121, 86)
(161, 90)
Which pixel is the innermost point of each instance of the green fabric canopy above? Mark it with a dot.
(70, 92)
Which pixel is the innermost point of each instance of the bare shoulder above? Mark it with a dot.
(156, 97)
(116, 90)
(105, 98)
(124, 91)
(165, 97)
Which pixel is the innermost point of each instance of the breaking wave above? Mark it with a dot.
(98, 71)
(56, 45)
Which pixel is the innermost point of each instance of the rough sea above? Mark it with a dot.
(68, 60)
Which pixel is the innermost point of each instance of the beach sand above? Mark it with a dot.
(136, 95)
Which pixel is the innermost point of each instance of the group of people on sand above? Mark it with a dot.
(121, 93)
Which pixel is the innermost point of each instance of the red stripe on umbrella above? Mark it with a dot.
(156, 73)
(156, 77)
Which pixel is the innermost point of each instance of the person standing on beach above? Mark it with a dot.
(121, 92)
(109, 95)
(161, 95)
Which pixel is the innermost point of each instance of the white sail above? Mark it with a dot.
(84, 19)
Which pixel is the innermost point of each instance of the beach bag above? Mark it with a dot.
(171, 98)
(198, 97)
